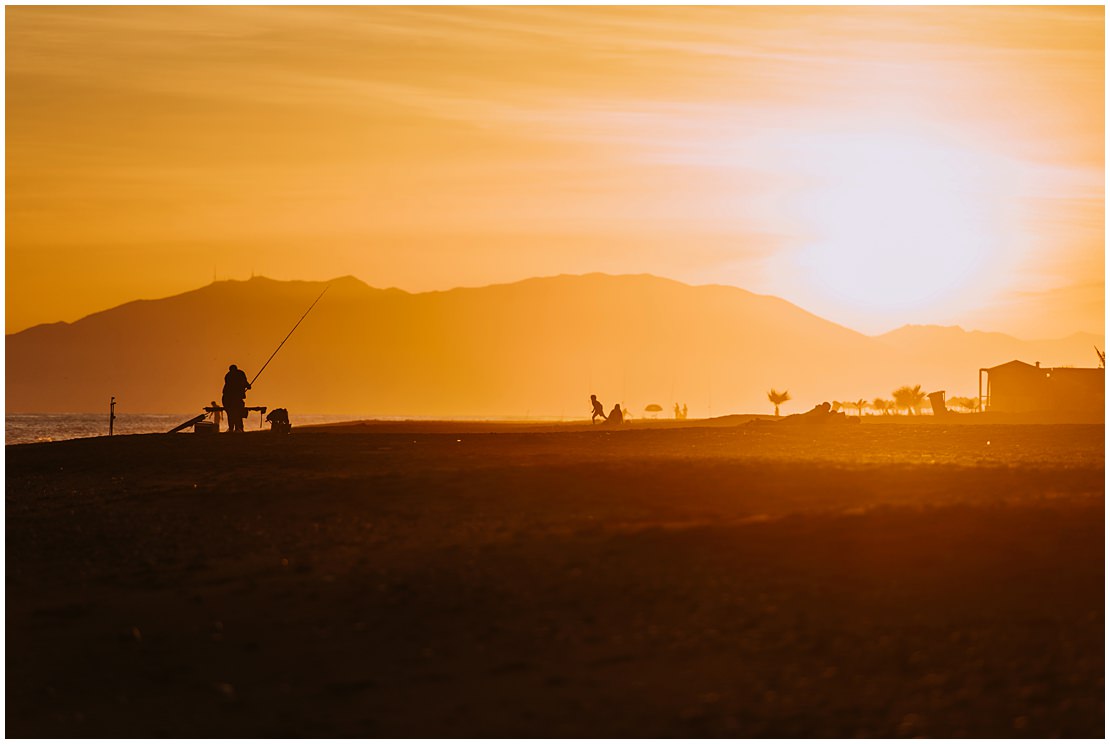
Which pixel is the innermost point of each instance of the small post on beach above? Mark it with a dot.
(112, 416)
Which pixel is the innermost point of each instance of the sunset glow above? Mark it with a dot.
(876, 166)
(580, 372)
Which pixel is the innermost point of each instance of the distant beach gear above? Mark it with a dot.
(279, 421)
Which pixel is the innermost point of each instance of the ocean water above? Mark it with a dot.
(21, 428)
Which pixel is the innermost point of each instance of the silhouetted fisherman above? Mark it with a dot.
(235, 397)
(615, 416)
(599, 410)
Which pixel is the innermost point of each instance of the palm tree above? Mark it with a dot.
(969, 404)
(778, 398)
(909, 398)
(956, 401)
(882, 405)
(859, 405)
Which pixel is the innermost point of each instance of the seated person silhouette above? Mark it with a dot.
(821, 413)
(615, 416)
(599, 410)
(818, 414)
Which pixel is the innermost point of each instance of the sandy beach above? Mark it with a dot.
(450, 580)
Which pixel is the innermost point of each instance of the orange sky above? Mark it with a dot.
(877, 166)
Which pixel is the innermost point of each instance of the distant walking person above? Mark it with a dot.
(235, 397)
(677, 412)
(615, 416)
(599, 410)
(217, 416)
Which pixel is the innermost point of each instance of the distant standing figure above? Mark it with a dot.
(685, 411)
(235, 397)
(217, 416)
(599, 410)
(677, 412)
(615, 416)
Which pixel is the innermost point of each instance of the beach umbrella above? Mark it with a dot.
(653, 408)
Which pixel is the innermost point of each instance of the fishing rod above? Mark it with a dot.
(306, 312)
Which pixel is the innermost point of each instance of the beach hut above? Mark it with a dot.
(1076, 393)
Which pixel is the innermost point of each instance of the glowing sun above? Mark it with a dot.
(894, 223)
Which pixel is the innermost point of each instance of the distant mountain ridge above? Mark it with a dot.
(537, 347)
(916, 335)
(979, 349)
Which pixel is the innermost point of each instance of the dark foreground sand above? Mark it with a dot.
(409, 581)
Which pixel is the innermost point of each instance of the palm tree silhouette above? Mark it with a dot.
(778, 398)
(859, 405)
(970, 404)
(882, 405)
(909, 398)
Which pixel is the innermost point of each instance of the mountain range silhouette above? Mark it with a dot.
(537, 347)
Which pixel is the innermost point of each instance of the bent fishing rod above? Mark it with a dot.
(306, 312)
